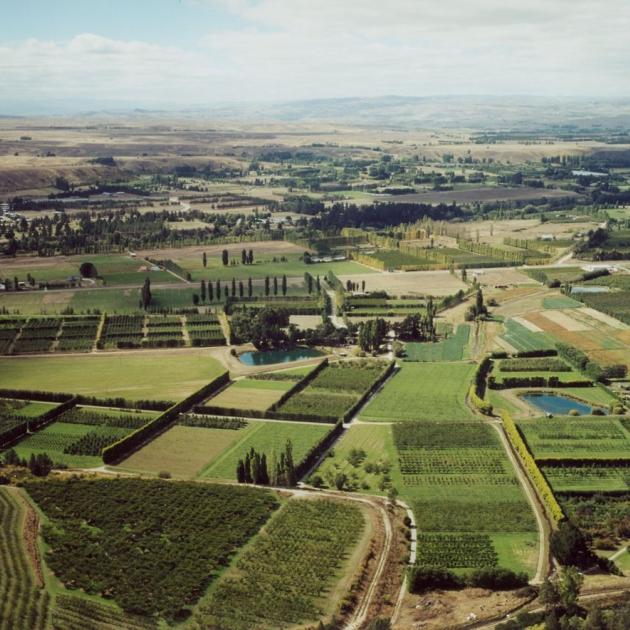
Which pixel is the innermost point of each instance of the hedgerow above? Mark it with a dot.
(544, 491)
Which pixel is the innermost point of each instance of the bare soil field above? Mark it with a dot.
(503, 276)
(303, 322)
(436, 283)
(493, 232)
(436, 610)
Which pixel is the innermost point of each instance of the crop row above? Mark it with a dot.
(23, 606)
(435, 435)
(451, 462)
(472, 480)
(83, 415)
(94, 442)
(72, 613)
(456, 550)
(284, 574)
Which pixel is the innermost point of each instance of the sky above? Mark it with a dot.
(73, 55)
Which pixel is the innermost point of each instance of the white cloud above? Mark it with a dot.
(293, 49)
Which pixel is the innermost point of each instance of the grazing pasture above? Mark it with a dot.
(308, 543)
(157, 375)
(423, 391)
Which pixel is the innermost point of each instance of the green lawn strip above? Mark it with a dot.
(143, 375)
(563, 377)
(266, 437)
(423, 391)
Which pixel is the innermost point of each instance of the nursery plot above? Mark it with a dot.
(172, 522)
(334, 390)
(266, 437)
(365, 454)
(423, 391)
(307, 543)
(465, 495)
(576, 438)
(588, 478)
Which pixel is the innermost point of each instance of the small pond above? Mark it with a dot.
(269, 357)
(557, 404)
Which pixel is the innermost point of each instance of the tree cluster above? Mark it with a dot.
(254, 469)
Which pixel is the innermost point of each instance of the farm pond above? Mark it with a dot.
(269, 357)
(557, 404)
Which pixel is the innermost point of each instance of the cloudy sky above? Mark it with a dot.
(76, 54)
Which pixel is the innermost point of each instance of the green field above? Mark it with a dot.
(592, 437)
(112, 268)
(367, 471)
(146, 375)
(423, 391)
(266, 437)
(264, 265)
(520, 338)
(560, 302)
(469, 506)
(451, 349)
